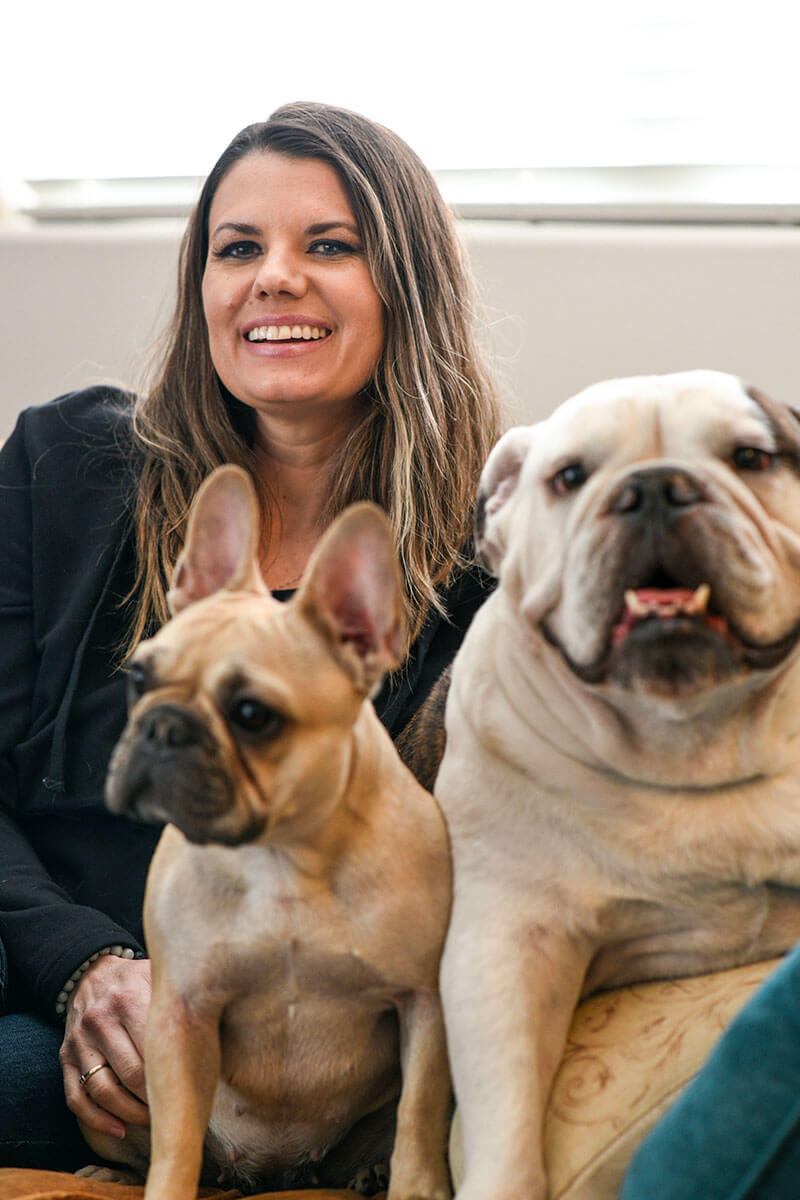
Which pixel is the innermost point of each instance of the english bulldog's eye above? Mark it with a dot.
(750, 458)
(568, 479)
(137, 681)
(251, 716)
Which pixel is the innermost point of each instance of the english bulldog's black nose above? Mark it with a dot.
(169, 728)
(656, 489)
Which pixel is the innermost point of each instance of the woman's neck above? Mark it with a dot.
(298, 462)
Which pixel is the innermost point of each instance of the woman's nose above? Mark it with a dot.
(280, 272)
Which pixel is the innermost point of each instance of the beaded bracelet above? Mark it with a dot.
(77, 975)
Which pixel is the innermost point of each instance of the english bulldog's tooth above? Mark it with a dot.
(635, 605)
(699, 601)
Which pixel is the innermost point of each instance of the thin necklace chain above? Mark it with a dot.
(281, 587)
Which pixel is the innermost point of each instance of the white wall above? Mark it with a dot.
(567, 304)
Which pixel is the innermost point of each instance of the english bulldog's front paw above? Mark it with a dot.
(421, 1184)
(499, 1184)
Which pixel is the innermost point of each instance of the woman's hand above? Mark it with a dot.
(106, 1015)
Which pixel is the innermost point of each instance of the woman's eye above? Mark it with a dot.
(330, 248)
(568, 479)
(238, 250)
(251, 716)
(750, 458)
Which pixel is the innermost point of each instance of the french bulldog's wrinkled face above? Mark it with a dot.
(650, 530)
(214, 724)
(241, 706)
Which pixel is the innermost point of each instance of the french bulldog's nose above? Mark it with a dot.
(656, 489)
(170, 728)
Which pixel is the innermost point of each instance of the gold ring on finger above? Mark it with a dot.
(87, 1075)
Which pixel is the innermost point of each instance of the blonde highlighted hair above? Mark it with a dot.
(429, 416)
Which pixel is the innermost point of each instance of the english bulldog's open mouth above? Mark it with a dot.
(672, 627)
(666, 604)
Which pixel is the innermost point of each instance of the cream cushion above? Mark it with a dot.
(630, 1052)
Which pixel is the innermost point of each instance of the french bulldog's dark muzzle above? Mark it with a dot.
(166, 768)
(168, 728)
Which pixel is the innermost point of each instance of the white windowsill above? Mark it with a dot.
(684, 194)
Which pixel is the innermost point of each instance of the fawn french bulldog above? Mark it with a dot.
(298, 899)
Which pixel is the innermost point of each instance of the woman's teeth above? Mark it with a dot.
(286, 333)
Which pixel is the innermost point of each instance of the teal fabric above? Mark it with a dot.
(735, 1132)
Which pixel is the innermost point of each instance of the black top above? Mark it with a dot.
(71, 874)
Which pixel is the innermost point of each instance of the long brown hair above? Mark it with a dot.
(430, 415)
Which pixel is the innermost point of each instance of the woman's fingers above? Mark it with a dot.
(80, 1102)
(110, 1042)
(105, 1029)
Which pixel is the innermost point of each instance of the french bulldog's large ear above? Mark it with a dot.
(352, 590)
(221, 540)
(498, 484)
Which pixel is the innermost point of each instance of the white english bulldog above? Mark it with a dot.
(622, 774)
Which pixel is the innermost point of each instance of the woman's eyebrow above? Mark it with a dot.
(327, 226)
(320, 227)
(237, 227)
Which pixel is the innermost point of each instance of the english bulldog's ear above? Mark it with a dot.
(784, 419)
(498, 484)
(221, 541)
(352, 591)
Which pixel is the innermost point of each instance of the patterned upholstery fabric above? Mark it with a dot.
(630, 1053)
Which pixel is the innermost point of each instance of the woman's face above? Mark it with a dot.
(293, 315)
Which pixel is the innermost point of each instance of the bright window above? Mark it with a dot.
(156, 88)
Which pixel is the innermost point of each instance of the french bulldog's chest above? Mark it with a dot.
(256, 930)
(308, 1028)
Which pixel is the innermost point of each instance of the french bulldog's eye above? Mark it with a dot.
(568, 479)
(750, 458)
(137, 681)
(252, 716)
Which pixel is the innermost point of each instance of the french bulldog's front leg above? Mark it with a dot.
(182, 1058)
(509, 989)
(419, 1160)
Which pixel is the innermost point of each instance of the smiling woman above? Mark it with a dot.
(324, 340)
(300, 265)
(322, 219)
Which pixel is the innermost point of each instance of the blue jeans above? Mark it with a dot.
(734, 1134)
(36, 1127)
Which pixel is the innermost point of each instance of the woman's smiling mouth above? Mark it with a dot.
(286, 333)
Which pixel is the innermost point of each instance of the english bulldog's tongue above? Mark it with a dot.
(642, 604)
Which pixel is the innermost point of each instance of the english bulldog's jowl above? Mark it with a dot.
(622, 774)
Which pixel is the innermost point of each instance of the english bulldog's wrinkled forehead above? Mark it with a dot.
(657, 416)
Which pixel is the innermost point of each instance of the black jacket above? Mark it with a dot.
(71, 874)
